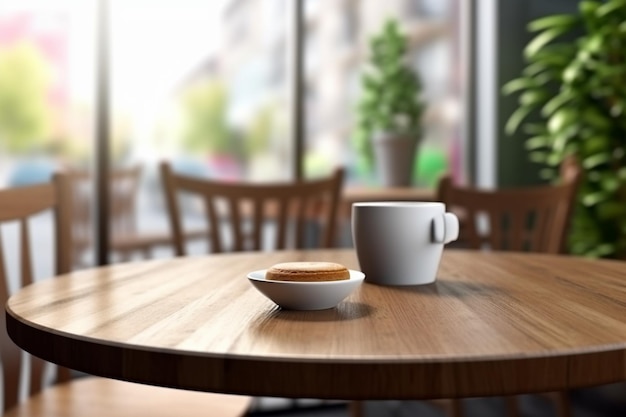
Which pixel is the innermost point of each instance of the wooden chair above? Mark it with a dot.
(532, 219)
(239, 214)
(85, 396)
(126, 239)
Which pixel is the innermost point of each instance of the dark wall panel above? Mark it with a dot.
(513, 167)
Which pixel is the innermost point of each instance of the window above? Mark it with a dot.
(333, 84)
(204, 84)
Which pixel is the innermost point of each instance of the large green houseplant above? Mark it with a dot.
(390, 108)
(572, 101)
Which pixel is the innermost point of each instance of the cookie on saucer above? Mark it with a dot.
(307, 272)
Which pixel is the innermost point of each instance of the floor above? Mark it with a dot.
(608, 401)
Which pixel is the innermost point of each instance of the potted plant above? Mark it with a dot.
(572, 99)
(390, 108)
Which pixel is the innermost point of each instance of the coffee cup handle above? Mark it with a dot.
(445, 228)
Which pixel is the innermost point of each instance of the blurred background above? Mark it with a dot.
(206, 83)
(209, 85)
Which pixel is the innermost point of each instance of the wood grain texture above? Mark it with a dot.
(240, 211)
(102, 397)
(84, 396)
(20, 204)
(492, 324)
(529, 219)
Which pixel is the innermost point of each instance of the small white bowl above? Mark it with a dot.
(306, 295)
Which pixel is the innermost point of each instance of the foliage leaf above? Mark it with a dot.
(594, 160)
(537, 142)
(532, 97)
(516, 118)
(578, 87)
(592, 199)
(555, 103)
(518, 84)
(561, 119)
(542, 39)
(610, 7)
(552, 21)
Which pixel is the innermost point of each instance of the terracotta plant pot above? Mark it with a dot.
(394, 156)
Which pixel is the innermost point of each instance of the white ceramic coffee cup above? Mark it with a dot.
(400, 243)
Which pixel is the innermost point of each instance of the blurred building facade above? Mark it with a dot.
(253, 63)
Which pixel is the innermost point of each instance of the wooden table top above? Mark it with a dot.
(492, 324)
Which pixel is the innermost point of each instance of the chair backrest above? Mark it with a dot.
(124, 184)
(532, 219)
(21, 205)
(238, 213)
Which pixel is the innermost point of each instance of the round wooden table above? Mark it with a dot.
(492, 324)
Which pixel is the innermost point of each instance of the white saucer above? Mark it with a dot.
(306, 295)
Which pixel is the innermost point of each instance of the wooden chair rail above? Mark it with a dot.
(84, 396)
(245, 209)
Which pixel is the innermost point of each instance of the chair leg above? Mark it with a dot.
(562, 404)
(512, 409)
(356, 409)
(560, 400)
(450, 407)
(457, 407)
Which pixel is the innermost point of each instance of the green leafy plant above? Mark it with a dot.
(390, 93)
(572, 98)
(25, 114)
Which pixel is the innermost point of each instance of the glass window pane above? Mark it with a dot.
(201, 84)
(47, 78)
(337, 48)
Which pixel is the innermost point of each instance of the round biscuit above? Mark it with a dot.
(307, 271)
